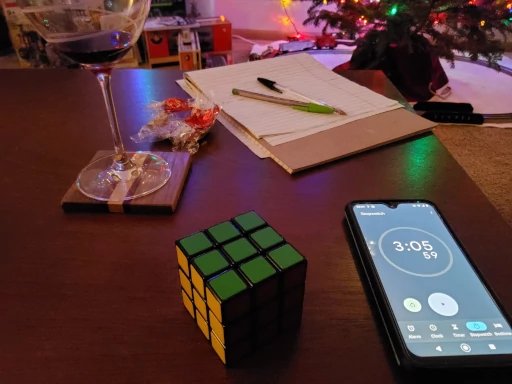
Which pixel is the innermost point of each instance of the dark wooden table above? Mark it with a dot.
(95, 298)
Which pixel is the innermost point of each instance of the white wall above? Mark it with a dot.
(205, 7)
(264, 15)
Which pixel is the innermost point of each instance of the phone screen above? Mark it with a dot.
(439, 303)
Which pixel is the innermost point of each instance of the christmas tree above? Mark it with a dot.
(475, 28)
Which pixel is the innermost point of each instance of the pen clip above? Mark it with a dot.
(269, 84)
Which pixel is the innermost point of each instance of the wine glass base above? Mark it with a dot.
(100, 181)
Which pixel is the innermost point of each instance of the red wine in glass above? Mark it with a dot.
(97, 36)
(101, 48)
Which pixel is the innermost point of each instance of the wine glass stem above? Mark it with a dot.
(121, 161)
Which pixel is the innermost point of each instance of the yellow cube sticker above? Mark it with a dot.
(197, 280)
(203, 325)
(188, 304)
(218, 347)
(200, 304)
(217, 327)
(182, 261)
(213, 304)
(185, 284)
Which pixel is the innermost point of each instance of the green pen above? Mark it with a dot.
(298, 105)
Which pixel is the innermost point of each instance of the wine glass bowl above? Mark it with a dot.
(97, 34)
(87, 31)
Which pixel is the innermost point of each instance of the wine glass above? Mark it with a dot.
(97, 34)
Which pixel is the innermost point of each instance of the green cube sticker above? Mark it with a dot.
(196, 243)
(285, 256)
(240, 250)
(211, 262)
(257, 270)
(227, 285)
(266, 238)
(223, 232)
(249, 221)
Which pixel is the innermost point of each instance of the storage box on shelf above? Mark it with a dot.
(189, 54)
(215, 37)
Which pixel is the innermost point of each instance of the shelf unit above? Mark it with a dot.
(161, 40)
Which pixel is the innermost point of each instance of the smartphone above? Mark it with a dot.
(437, 309)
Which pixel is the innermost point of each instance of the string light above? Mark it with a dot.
(288, 19)
(393, 10)
(284, 20)
(222, 18)
(482, 23)
(325, 2)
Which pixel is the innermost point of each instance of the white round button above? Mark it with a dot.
(443, 304)
(412, 305)
(465, 348)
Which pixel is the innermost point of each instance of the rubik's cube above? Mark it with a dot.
(242, 283)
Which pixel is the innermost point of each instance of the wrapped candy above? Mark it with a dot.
(183, 122)
(176, 105)
(202, 118)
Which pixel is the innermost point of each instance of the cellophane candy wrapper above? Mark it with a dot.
(184, 122)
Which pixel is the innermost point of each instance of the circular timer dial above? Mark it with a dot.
(415, 251)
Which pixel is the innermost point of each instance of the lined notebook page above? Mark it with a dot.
(279, 124)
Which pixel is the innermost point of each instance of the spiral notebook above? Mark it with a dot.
(298, 140)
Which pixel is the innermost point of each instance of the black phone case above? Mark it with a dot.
(403, 357)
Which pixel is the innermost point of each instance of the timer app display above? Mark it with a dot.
(438, 301)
